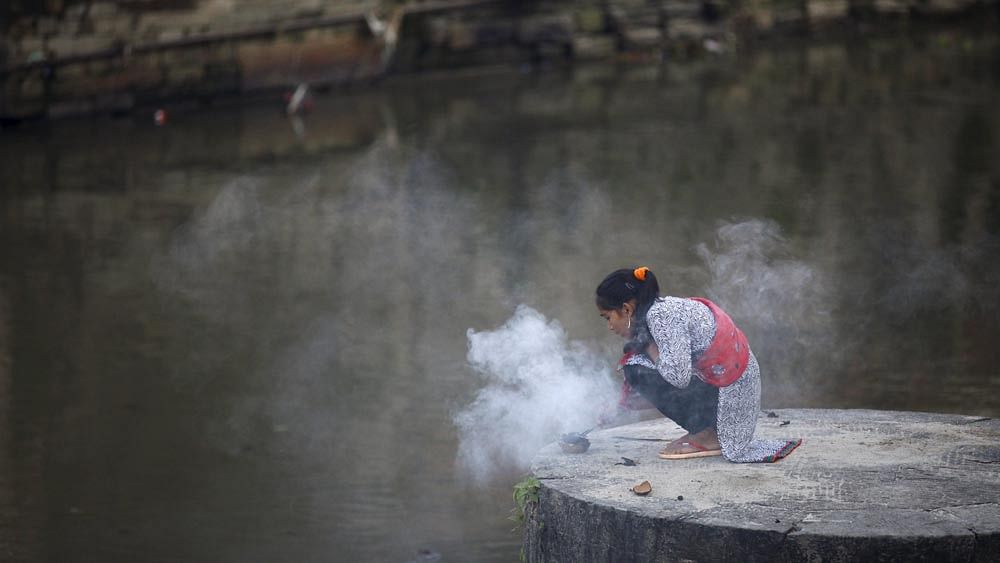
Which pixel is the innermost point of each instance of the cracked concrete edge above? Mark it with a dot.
(601, 533)
(666, 534)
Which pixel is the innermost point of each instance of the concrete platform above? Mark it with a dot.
(864, 486)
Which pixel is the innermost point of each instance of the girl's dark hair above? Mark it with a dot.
(622, 286)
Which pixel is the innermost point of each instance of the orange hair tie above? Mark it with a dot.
(640, 273)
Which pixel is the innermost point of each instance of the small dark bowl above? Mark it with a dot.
(574, 443)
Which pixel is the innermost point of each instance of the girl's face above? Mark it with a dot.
(619, 320)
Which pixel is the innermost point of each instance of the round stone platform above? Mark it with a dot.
(863, 486)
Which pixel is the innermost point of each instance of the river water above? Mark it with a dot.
(239, 337)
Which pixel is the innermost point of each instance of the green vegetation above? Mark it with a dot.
(525, 494)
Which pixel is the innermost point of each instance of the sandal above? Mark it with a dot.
(699, 451)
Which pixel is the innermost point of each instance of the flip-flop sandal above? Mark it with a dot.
(700, 451)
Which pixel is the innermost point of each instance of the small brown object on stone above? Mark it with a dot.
(642, 489)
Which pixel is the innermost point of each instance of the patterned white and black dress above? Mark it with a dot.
(682, 330)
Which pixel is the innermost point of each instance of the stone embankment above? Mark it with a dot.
(863, 486)
(81, 56)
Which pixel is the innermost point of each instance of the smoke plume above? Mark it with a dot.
(538, 385)
(782, 303)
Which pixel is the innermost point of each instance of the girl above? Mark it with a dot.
(687, 358)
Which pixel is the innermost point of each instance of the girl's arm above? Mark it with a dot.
(671, 347)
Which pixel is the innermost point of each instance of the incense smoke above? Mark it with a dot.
(539, 385)
(782, 303)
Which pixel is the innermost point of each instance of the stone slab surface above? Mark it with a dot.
(864, 485)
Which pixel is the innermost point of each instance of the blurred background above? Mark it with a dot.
(242, 244)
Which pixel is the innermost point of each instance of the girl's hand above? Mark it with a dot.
(653, 352)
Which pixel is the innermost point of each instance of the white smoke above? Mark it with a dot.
(752, 271)
(538, 386)
(783, 303)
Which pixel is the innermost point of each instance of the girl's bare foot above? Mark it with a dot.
(708, 437)
(700, 444)
(674, 444)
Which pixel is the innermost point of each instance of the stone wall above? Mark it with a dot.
(94, 56)
(77, 56)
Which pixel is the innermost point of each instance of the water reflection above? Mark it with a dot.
(229, 339)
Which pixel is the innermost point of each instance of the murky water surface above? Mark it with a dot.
(240, 338)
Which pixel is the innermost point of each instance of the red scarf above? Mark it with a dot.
(727, 356)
